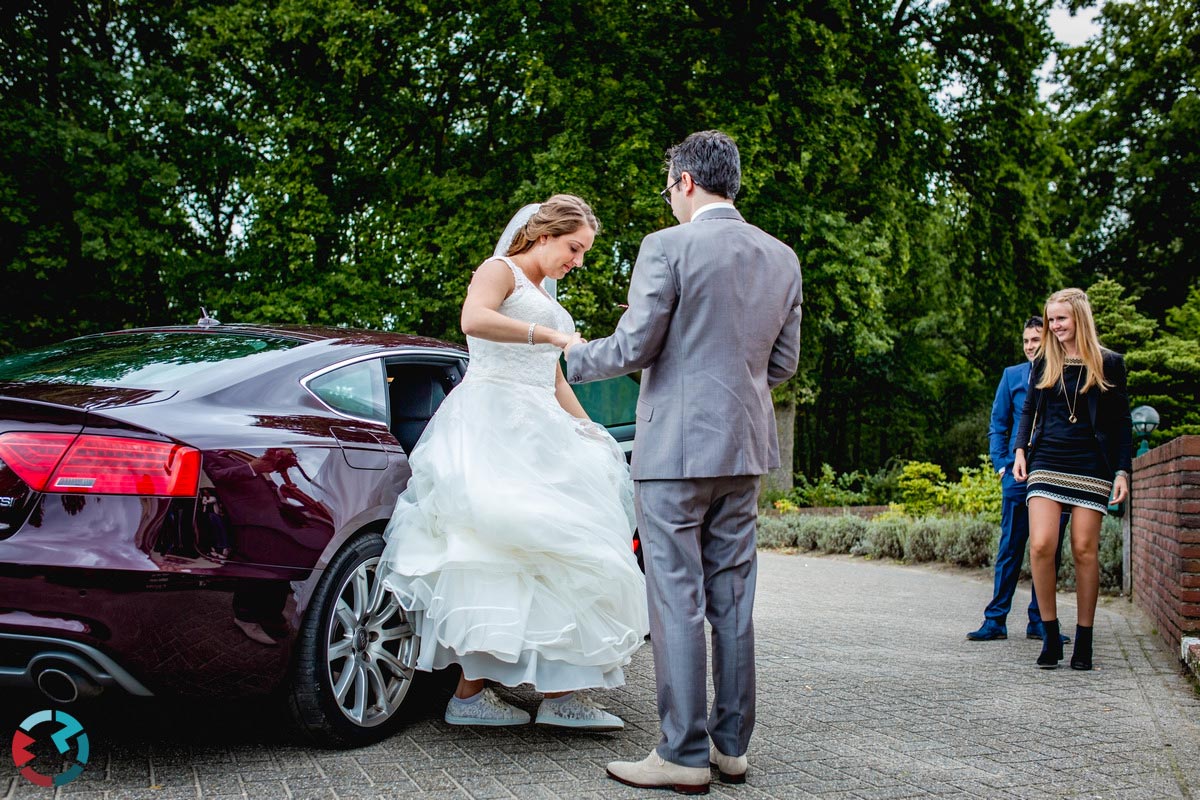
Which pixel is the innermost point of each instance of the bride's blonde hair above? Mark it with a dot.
(1086, 340)
(561, 214)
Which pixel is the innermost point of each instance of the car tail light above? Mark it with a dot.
(33, 456)
(90, 464)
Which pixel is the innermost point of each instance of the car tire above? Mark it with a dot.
(356, 654)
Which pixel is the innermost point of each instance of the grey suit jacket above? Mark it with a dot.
(714, 323)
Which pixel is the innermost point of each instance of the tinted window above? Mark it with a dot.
(357, 389)
(138, 360)
(609, 402)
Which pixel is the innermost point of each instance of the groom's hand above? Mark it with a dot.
(572, 340)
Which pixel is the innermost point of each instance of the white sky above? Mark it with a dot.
(1073, 30)
(1070, 30)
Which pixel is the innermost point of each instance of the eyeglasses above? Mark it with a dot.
(665, 194)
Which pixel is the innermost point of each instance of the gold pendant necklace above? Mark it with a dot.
(1071, 406)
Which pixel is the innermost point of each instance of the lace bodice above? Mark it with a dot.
(520, 362)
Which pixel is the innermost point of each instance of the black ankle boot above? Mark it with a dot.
(1051, 645)
(1082, 657)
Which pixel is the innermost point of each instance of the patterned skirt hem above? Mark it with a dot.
(1083, 491)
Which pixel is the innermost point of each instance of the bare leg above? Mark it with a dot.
(1044, 515)
(1085, 547)
(468, 688)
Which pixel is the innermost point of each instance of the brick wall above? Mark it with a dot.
(1165, 537)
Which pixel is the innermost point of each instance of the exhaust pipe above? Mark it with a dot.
(65, 685)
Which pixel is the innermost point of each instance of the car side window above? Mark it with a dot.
(358, 390)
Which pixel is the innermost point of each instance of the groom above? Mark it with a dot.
(714, 323)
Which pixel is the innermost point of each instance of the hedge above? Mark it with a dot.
(966, 541)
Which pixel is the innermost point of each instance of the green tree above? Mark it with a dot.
(1121, 326)
(339, 167)
(1163, 369)
(1184, 320)
(87, 218)
(1131, 100)
(1002, 160)
(334, 162)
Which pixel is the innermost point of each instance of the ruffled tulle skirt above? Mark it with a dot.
(511, 546)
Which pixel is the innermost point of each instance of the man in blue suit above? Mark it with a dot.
(1014, 517)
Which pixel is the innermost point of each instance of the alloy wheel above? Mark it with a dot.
(371, 648)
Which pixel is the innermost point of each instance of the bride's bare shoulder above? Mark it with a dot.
(495, 266)
(494, 275)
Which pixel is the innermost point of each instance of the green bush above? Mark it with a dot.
(967, 541)
(883, 487)
(807, 530)
(978, 491)
(920, 543)
(829, 490)
(768, 497)
(922, 488)
(842, 534)
(774, 533)
(885, 538)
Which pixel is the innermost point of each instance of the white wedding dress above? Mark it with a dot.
(511, 546)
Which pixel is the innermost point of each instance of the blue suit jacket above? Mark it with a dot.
(1006, 416)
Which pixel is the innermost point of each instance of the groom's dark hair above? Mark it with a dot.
(712, 159)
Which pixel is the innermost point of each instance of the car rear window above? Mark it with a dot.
(157, 360)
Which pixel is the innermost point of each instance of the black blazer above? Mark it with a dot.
(1108, 411)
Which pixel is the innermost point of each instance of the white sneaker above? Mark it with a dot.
(579, 712)
(488, 710)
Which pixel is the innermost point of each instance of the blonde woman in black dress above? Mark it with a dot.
(1077, 455)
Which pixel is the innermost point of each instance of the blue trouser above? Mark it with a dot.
(1014, 535)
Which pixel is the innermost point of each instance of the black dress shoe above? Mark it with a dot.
(990, 631)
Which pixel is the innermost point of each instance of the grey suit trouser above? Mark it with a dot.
(698, 540)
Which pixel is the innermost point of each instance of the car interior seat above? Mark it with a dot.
(416, 392)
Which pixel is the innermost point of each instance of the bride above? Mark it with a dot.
(510, 548)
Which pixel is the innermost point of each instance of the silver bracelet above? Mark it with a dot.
(532, 325)
(1121, 472)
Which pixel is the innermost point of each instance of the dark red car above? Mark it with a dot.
(199, 510)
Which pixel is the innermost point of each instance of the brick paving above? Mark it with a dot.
(867, 689)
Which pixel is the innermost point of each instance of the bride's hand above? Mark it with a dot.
(570, 341)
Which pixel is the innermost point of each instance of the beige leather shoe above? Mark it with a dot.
(655, 772)
(732, 769)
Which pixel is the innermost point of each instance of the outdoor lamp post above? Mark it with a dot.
(1145, 420)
